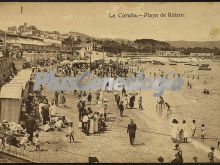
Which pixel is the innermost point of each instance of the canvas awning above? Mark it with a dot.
(11, 92)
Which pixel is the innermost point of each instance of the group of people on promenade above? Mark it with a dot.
(91, 121)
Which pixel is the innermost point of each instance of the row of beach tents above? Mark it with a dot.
(12, 94)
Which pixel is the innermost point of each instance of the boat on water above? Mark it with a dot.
(194, 64)
(204, 67)
(155, 62)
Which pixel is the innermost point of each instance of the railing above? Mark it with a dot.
(49, 156)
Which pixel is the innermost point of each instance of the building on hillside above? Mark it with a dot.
(12, 30)
(82, 50)
(97, 47)
(52, 42)
(201, 54)
(56, 35)
(27, 30)
(168, 53)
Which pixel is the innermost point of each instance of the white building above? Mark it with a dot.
(201, 54)
(12, 30)
(168, 53)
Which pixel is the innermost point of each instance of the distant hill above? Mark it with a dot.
(188, 44)
(139, 45)
(83, 37)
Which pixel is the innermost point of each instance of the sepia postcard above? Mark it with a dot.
(109, 82)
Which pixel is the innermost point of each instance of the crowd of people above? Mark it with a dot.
(38, 112)
(91, 121)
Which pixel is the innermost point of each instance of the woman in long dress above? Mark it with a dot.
(62, 100)
(99, 103)
(126, 101)
(95, 123)
(91, 123)
(174, 130)
(185, 131)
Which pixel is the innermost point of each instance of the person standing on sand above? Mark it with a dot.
(185, 131)
(71, 131)
(140, 103)
(179, 154)
(193, 128)
(131, 130)
(203, 132)
(174, 131)
(89, 97)
(121, 108)
(211, 155)
(126, 101)
(56, 96)
(123, 91)
(160, 103)
(132, 100)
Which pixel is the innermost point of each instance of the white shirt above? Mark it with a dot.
(85, 118)
(193, 126)
(70, 130)
(59, 124)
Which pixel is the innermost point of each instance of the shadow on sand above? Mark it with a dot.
(139, 144)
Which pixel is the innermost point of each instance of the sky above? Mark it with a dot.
(199, 23)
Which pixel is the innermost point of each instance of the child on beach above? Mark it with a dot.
(37, 142)
(71, 131)
(203, 132)
(24, 141)
(193, 128)
(185, 131)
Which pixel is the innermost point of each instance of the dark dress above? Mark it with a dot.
(45, 113)
(121, 108)
(131, 131)
(132, 99)
(31, 127)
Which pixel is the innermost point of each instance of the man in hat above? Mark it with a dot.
(121, 108)
(30, 126)
(131, 131)
(211, 155)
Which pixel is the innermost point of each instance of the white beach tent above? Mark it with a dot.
(11, 99)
